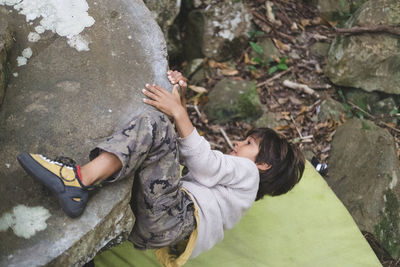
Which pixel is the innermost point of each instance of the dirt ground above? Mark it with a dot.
(294, 27)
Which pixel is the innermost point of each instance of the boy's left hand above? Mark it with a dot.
(166, 102)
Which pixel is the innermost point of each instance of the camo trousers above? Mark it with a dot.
(147, 149)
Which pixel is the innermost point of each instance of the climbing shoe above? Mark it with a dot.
(61, 176)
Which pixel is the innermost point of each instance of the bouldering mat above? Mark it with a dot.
(308, 226)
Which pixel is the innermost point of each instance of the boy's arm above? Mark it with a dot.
(171, 105)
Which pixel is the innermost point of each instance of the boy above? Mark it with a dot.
(184, 216)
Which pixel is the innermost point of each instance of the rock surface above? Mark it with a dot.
(233, 99)
(364, 172)
(368, 61)
(218, 32)
(330, 109)
(63, 102)
(6, 42)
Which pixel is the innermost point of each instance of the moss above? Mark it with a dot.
(387, 231)
(249, 104)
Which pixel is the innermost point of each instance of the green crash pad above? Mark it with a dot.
(308, 226)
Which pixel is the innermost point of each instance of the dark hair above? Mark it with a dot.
(286, 161)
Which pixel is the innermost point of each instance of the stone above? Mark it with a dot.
(368, 61)
(6, 43)
(233, 100)
(269, 50)
(165, 12)
(331, 9)
(320, 49)
(268, 119)
(336, 10)
(384, 106)
(193, 66)
(364, 172)
(64, 102)
(361, 98)
(218, 32)
(331, 109)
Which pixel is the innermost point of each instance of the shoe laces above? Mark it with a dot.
(66, 161)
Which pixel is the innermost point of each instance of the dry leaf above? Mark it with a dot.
(281, 46)
(198, 89)
(229, 72)
(305, 22)
(296, 101)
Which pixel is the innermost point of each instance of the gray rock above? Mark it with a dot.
(164, 12)
(368, 61)
(269, 120)
(333, 9)
(218, 32)
(364, 172)
(269, 49)
(193, 66)
(232, 99)
(64, 102)
(320, 49)
(384, 107)
(361, 98)
(330, 9)
(6, 43)
(331, 109)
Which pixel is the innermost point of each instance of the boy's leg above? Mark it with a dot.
(147, 148)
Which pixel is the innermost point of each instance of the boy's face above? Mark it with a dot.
(247, 148)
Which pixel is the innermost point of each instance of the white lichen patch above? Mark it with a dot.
(15, 74)
(33, 37)
(394, 181)
(27, 52)
(25, 221)
(21, 61)
(67, 18)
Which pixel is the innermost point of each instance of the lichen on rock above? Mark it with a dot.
(388, 229)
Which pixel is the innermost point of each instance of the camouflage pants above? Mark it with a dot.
(147, 149)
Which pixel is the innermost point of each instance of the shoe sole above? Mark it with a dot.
(49, 180)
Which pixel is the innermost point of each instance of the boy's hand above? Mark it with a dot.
(175, 77)
(166, 102)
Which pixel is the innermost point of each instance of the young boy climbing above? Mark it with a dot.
(170, 211)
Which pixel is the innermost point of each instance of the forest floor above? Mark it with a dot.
(294, 26)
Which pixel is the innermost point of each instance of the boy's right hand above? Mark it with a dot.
(175, 77)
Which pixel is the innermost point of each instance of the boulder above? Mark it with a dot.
(269, 50)
(268, 119)
(218, 32)
(334, 10)
(330, 109)
(6, 43)
(368, 61)
(364, 172)
(75, 89)
(384, 106)
(164, 12)
(361, 98)
(233, 99)
(320, 49)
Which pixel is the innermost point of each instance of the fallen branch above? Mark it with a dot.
(280, 74)
(298, 131)
(226, 138)
(370, 29)
(373, 117)
(298, 86)
(273, 26)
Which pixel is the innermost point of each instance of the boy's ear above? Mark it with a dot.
(263, 166)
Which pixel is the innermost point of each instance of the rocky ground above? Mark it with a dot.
(300, 110)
